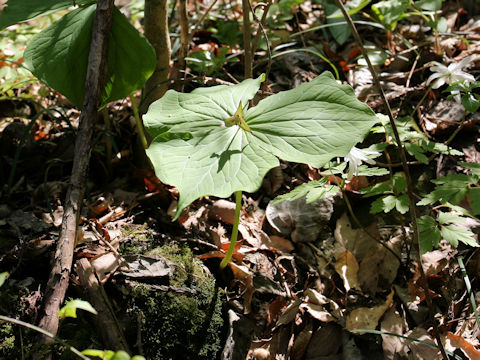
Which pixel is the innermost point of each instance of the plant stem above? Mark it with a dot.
(141, 133)
(247, 41)
(43, 332)
(403, 157)
(359, 224)
(469, 288)
(233, 239)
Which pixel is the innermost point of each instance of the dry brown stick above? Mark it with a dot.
(408, 179)
(105, 320)
(266, 7)
(247, 41)
(96, 73)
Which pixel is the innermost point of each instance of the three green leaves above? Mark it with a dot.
(207, 143)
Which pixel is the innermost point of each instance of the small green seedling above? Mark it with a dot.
(206, 143)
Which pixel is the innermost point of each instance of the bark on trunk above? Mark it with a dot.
(156, 31)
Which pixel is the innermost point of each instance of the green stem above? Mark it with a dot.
(141, 133)
(469, 288)
(233, 239)
(410, 192)
(44, 332)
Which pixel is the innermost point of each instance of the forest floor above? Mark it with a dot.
(305, 277)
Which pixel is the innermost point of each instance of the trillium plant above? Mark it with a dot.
(210, 142)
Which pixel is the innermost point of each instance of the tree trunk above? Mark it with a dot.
(156, 31)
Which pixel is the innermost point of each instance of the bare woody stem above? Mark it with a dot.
(247, 41)
(408, 178)
(95, 78)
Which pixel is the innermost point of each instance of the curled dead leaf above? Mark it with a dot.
(367, 318)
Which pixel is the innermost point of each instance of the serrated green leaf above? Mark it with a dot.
(364, 170)
(399, 183)
(334, 168)
(402, 204)
(451, 188)
(474, 198)
(384, 203)
(416, 151)
(22, 10)
(313, 190)
(457, 179)
(474, 167)
(320, 192)
(377, 189)
(70, 308)
(439, 148)
(58, 56)
(311, 124)
(448, 217)
(453, 234)
(429, 233)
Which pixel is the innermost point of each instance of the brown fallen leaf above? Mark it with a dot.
(393, 346)
(347, 267)
(318, 312)
(367, 318)
(459, 342)
(290, 313)
(301, 342)
(325, 343)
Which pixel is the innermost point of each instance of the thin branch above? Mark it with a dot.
(247, 41)
(96, 76)
(408, 178)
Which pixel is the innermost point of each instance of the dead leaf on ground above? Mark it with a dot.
(459, 342)
(377, 266)
(303, 221)
(367, 318)
(290, 313)
(347, 267)
(301, 342)
(317, 312)
(245, 276)
(393, 346)
(419, 351)
(325, 343)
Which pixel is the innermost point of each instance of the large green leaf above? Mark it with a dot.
(311, 124)
(195, 151)
(23, 10)
(58, 56)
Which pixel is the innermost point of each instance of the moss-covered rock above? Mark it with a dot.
(184, 322)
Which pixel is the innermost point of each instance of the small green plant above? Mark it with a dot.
(210, 142)
(71, 306)
(58, 55)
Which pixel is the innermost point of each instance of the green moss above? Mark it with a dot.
(180, 324)
(7, 339)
